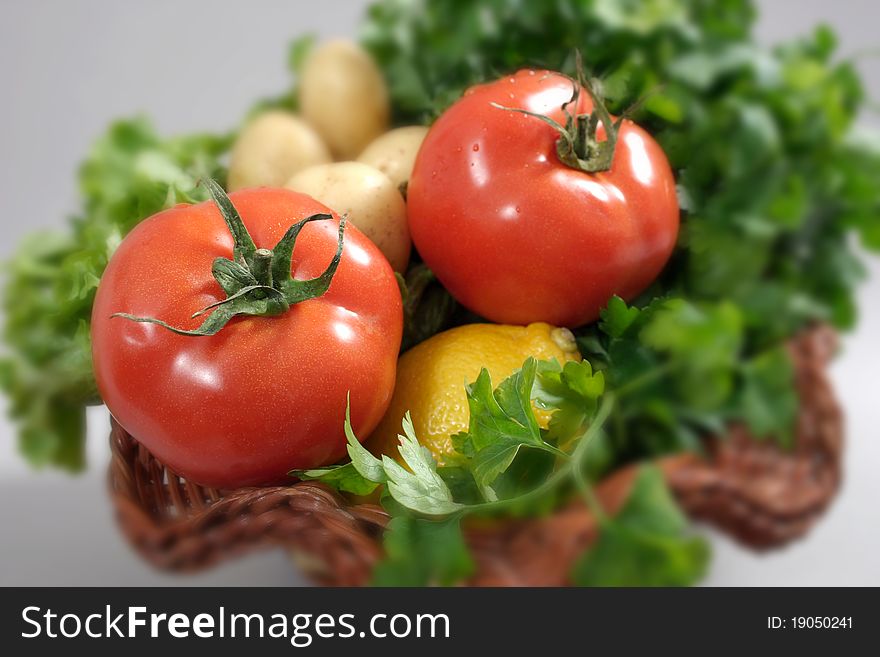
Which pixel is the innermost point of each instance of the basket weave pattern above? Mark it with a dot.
(752, 490)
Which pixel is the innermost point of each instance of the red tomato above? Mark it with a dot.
(519, 237)
(264, 395)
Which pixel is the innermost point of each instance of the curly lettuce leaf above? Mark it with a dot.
(51, 280)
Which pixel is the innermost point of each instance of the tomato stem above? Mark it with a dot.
(262, 267)
(578, 145)
(257, 282)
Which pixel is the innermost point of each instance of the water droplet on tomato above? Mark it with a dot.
(476, 147)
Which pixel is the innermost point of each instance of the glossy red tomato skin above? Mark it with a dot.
(266, 394)
(517, 236)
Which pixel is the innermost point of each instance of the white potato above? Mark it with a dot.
(370, 199)
(271, 148)
(343, 95)
(394, 153)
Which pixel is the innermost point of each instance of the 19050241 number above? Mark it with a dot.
(821, 622)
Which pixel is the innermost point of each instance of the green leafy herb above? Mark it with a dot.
(341, 477)
(645, 544)
(572, 391)
(767, 401)
(703, 341)
(423, 552)
(682, 370)
(617, 317)
(501, 421)
(419, 488)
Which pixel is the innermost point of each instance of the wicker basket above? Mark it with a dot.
(758, 494)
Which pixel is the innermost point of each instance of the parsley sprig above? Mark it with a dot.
(654, 380)
(428, 503)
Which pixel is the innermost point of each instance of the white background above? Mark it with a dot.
(70, 67)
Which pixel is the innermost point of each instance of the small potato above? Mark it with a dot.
(271, 148)
(343, 95)
(394, 153)
(370, 199)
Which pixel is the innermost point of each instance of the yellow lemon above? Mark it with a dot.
(431, 379)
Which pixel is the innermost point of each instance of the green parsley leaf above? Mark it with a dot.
(768, 401)
(501, 421)
(617, 317)
(645, 544)
(421, 552)
(367, 465)
(530, 469)
(361, 476)
(572, 391)
(704, 341)
(341, 477)
(420, 488)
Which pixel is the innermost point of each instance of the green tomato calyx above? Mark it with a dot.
(256, 281)
(579, 146)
